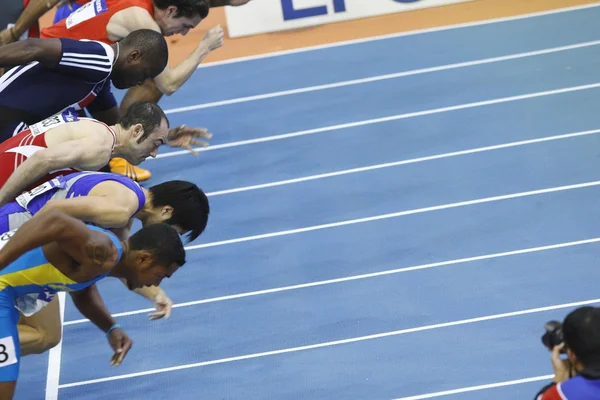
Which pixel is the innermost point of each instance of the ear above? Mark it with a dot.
(166, 212)
(138, 130)
(134, 57)
(144, 259)
(171, 11)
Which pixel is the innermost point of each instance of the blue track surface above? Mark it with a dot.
(408, 362)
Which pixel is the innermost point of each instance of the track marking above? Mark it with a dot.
(479, 387)
(402, 162)
(395, 215)
(399, 34)
(383, 119)
(332, 343)
(358, 277)
(378, 78)
(54, 357)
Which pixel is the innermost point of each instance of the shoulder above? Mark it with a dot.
(131, 19)
(102, 249)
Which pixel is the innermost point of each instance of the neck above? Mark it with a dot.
(120, 141)
(145, 211)
(118, 270)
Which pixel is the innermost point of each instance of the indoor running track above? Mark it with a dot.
(432, 270)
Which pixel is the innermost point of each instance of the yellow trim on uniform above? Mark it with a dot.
(42, 275)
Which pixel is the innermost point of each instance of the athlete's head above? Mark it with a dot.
(143, 54)
(153, 253)
(179, 16)
(180, 204)
(146, 127)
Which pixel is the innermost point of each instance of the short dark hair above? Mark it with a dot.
(186, 8)
(153, 47)
(146, 113)
(162, 241)
(190, 205)
(581, 331)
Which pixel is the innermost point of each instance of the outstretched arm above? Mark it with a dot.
(90, 304)
(126, 21)
(46, 51)
(30, 16)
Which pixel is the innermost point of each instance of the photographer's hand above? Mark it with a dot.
(562, 367)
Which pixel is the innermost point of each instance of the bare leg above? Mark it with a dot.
(7, 390)
(42, 331)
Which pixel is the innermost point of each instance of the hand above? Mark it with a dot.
(6, 36)
(120, 343)
(236, 3)
(163, 305)
(213, 39)
(183, 136)
(561, 367)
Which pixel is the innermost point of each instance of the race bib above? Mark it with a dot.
(8, 355)
(85, 12)
(32, 303)
(44, 126)
(5, 237)
(25, 198)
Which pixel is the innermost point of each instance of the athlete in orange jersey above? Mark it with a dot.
(111, 20)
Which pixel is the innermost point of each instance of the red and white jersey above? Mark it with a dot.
(16, 150)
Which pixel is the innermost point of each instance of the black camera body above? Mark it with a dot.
(553, 336)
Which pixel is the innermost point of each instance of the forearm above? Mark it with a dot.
(95, 210)
(26, 174)
(90, 305)
(171, 79)
(32, 13)
(18, 53)
(38, 231)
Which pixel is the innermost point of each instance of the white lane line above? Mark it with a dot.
(54, 358)
(402, 162)
(378, 78)
(384, 119)
(332, 343)
(479, 387)
(399, 34)
(358, 277)
(395, 215)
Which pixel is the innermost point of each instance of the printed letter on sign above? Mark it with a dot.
(289, 12)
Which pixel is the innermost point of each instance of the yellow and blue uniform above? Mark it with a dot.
(27, 285)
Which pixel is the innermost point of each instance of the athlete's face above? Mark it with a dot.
(144, 271)
(132, 71)
(170, 24)
(141, 149)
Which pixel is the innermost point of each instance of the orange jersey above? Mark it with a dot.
(90, 20)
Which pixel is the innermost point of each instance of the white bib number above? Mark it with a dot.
(52, 122)
(8, 355)
(85, 12)
(25, 198)
(5, 237)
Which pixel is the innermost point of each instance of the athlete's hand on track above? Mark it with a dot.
(163, 305)
(214, 38)
(185, 137)
(120, 343)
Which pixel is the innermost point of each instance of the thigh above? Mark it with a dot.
(47, 319)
